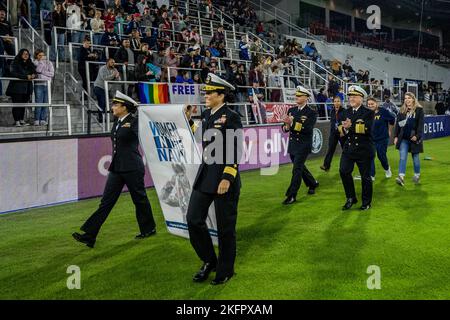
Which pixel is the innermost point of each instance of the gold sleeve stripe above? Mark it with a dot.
(230, 170)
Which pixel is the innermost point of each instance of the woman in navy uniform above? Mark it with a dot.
(409, 136)
(356, 131)
(127, 168)
(217, 182)
(383, 122)
(300, 124)
(336, 118)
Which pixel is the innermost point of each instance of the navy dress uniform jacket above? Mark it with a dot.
(301, 130)
(225, 166)
(358, 140)
(125, 141)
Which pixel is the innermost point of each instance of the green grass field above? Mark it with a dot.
(310, 250)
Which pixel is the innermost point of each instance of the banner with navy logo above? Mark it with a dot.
(173, 159)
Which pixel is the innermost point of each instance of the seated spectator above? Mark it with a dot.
(135, 40)
(194, 35)
(219, 36)
(134, 24)
(260, 29)
(184, 77)
(172, 61)
(44, 71)
(213, 49)
(197, 79)
(110, 39)
(130, 7)
(348, 69)
(142, 72)
(321, 96)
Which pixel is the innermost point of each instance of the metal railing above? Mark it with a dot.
(48, 82)
(32, 36)
(88, 104)
(49, 130)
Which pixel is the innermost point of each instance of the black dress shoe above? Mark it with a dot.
(289, 200)
(365, 207)
(312, 190)
(204, 272)
(350, 202)
(145, 235)
(84, 238)
(217, 281)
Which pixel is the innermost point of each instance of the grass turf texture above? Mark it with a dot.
(310, 250)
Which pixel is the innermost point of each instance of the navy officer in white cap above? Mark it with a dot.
(300, 123)
(127, 168)
(217, 182)
(358, 148)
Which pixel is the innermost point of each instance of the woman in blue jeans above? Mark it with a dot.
(408, 136)
(45, 71)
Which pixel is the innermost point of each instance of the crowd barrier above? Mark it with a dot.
(47, 172)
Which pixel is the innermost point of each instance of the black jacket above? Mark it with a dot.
(227, 167)
(415, 147)
(358, 140)
(125, 141)
(21, 70)
(301, 130)
(336, 122)
(121, 55)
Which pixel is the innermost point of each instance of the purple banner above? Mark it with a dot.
(94, 158)
(263, 146)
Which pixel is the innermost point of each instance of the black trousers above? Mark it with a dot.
(19, 113)
(134, 180)
(332, 144)
(299, 172)
(226, 215)
(346, 168)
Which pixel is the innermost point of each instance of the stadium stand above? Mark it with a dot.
(181, 41)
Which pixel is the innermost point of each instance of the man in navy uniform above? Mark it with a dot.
(356, 131)
(381, 129)
(336, 118)
(300, 123)
(127, 168)
(217, 182)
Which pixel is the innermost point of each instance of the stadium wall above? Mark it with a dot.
(48, 172)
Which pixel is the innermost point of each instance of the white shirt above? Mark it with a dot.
(212, 112)
(120, 121)
(301, 107)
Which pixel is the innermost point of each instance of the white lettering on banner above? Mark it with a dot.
(183, 89)
(434, 127)
(185, 93)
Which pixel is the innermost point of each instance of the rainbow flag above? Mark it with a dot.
(153, 93)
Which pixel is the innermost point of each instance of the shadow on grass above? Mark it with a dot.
(335, 257)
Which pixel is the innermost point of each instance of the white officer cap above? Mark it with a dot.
(215, 83)
(357, 91)
(124, 99)
(302, 91)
